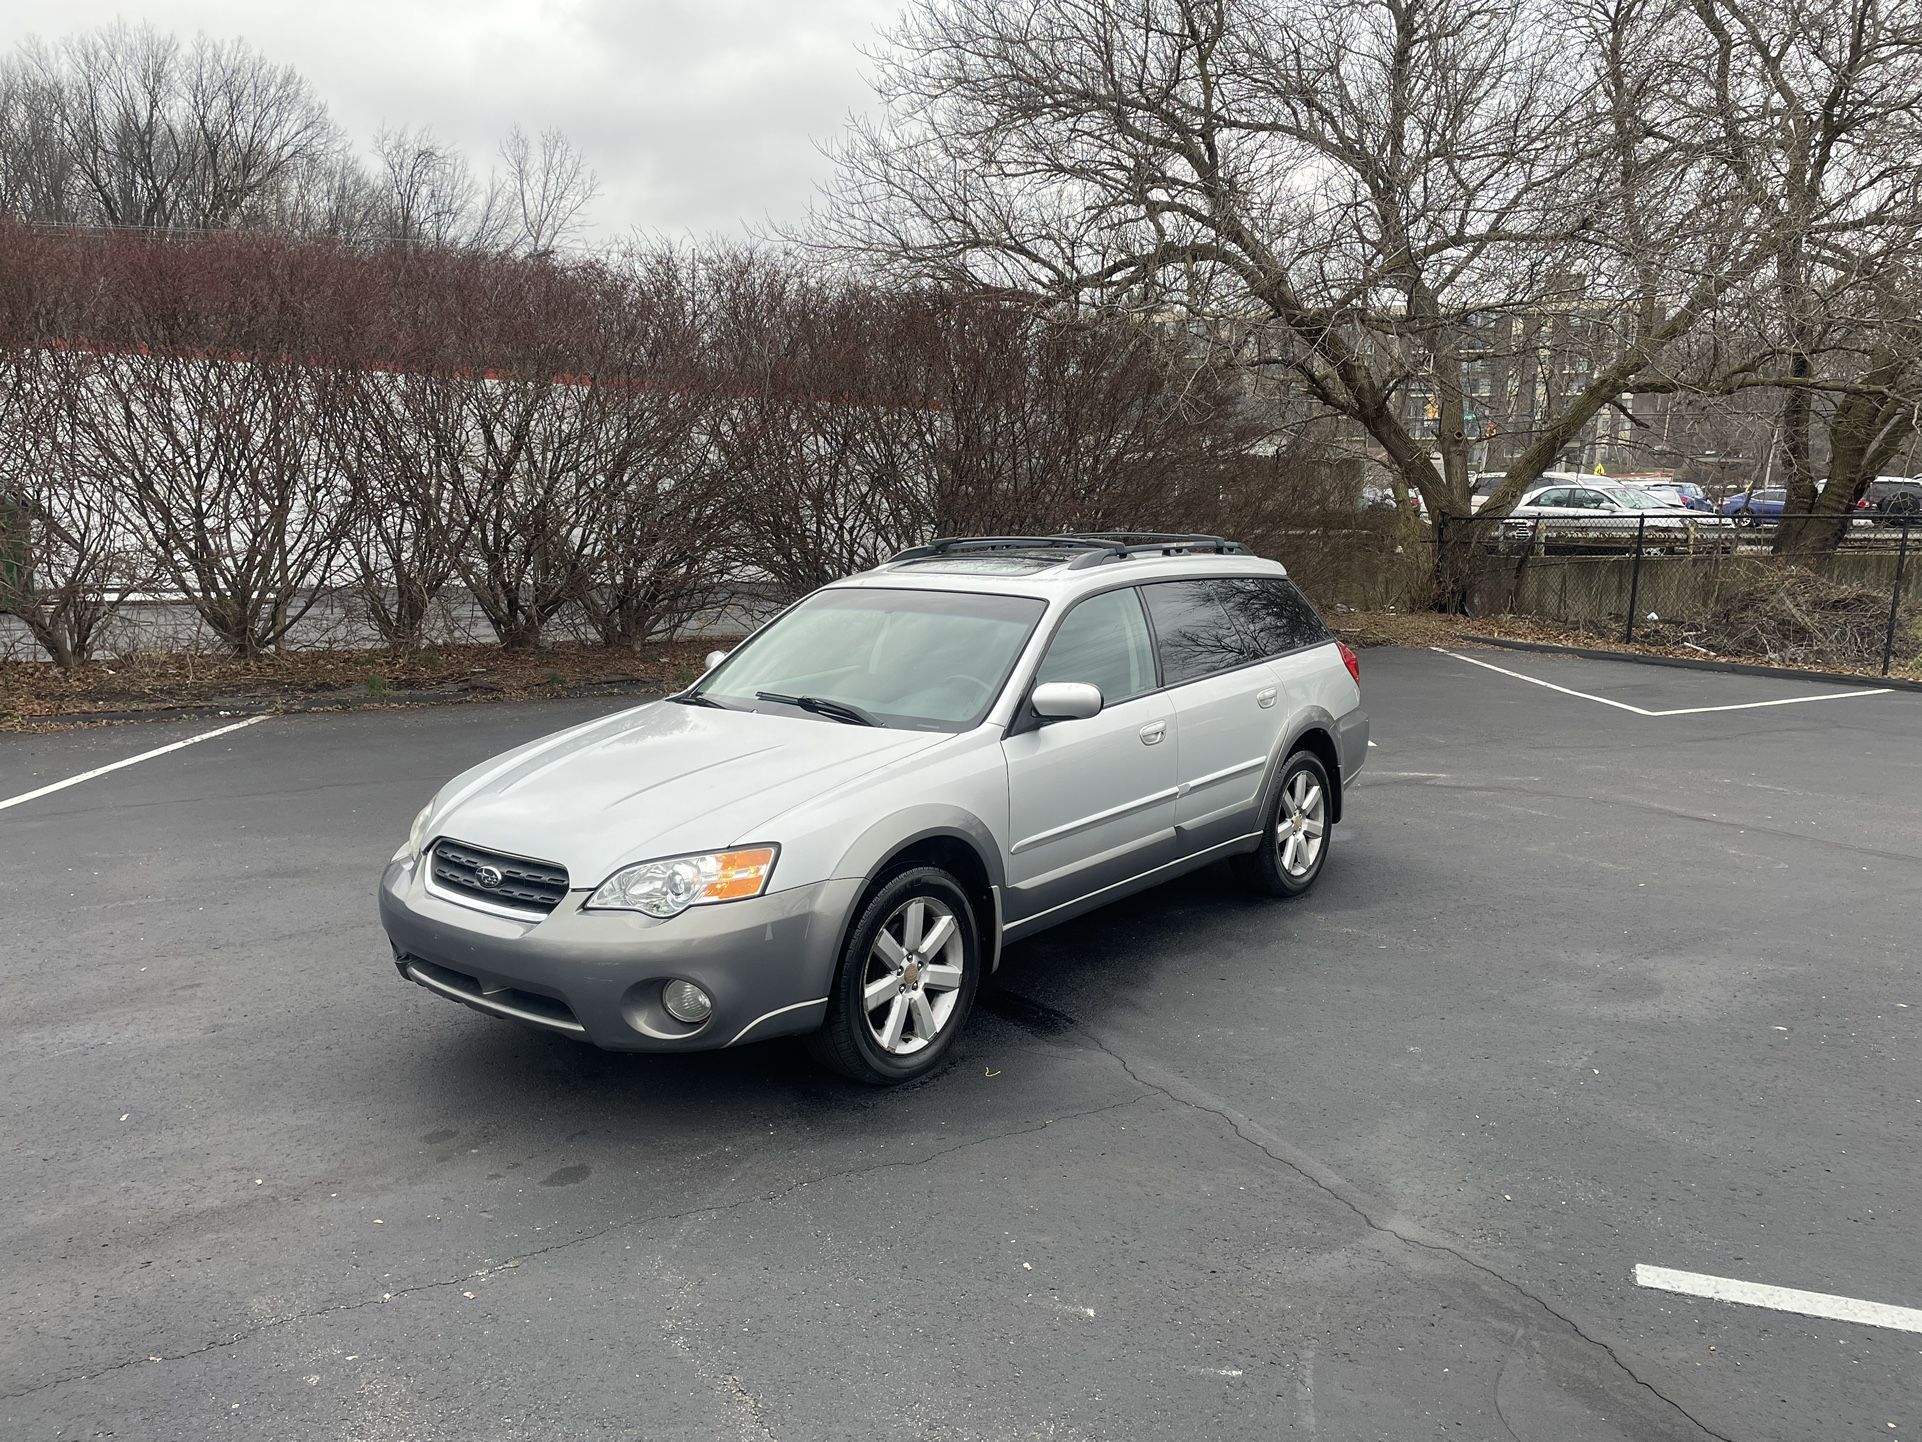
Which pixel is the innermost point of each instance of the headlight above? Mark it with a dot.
(417, 833)
(671, 885)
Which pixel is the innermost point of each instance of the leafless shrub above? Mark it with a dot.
(1798, 617)
(406, 533)
(861, 420)
(68, 556)
(232, 472)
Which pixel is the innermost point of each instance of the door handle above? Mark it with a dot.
(1265, 699)
(1152, 733)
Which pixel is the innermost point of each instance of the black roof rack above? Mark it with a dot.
(1095, 548)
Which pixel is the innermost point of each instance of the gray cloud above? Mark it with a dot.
(697, 116)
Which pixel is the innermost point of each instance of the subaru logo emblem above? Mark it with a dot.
(487, 876)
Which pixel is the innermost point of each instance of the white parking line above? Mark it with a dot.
(1780, 1299)
(1679, 711)
(52, 787)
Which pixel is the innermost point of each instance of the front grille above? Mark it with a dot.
(525, 885)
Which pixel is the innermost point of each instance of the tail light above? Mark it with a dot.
(1350, 660)
(1863, 504)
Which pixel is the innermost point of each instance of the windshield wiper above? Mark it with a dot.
(697, 698)
(822, 706)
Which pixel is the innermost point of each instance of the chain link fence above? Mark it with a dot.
(1747, 585)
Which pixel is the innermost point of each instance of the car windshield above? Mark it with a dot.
(917, 659)
(1633, 500)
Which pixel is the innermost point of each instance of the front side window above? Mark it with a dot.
(920, 660)
(1104, 642)
(1194, 632)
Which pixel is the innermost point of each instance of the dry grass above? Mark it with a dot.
(1798, 618)
(35, 694)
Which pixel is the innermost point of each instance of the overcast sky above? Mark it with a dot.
(698, 115)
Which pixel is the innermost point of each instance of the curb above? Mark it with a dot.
(1689, 663)
(296, 706)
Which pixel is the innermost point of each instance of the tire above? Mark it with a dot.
(1277, 867)
(912, 987)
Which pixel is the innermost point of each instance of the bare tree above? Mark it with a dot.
(127, 127)
(37, 180)
(431, 195)
(1355, 192)
(547, 185)
(1818, 110)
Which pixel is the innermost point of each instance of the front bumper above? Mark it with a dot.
(767, 962)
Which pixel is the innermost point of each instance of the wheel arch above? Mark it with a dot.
(956, 842)
(1317, 735)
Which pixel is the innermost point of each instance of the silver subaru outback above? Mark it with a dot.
(837, 829)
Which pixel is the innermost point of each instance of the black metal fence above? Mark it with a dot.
(1759, 586)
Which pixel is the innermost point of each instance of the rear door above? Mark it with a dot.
(1227, 702)
(1301, 654)
(1091, 803)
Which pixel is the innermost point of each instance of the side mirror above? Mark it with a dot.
(715, 658)
(1065, 700)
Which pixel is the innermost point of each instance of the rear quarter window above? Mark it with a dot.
(1274, 615)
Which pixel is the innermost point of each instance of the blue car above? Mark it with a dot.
(1681, 493)
(1756, 508)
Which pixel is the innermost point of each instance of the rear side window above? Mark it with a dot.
(1104, 642)
(1194, 632)
(1271, 612)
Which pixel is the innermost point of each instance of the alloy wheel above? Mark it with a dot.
(1302, 825)
(913, 976)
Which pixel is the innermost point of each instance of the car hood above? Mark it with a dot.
(660, 780)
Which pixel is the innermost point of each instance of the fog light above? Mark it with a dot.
(686, 1002)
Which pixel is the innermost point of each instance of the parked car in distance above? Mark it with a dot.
(835, 830)
(1759, 507)
(1598, 500)
(1376, 497)
(1686, 494)
(1678, 495)
(1893, 500)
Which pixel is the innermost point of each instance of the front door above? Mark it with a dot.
(1091, 802)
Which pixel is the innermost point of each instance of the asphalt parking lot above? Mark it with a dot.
(1584, 988)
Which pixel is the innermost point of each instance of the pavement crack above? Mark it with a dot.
(1343, 1193)
(767, 1198)
(1495, 1392)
